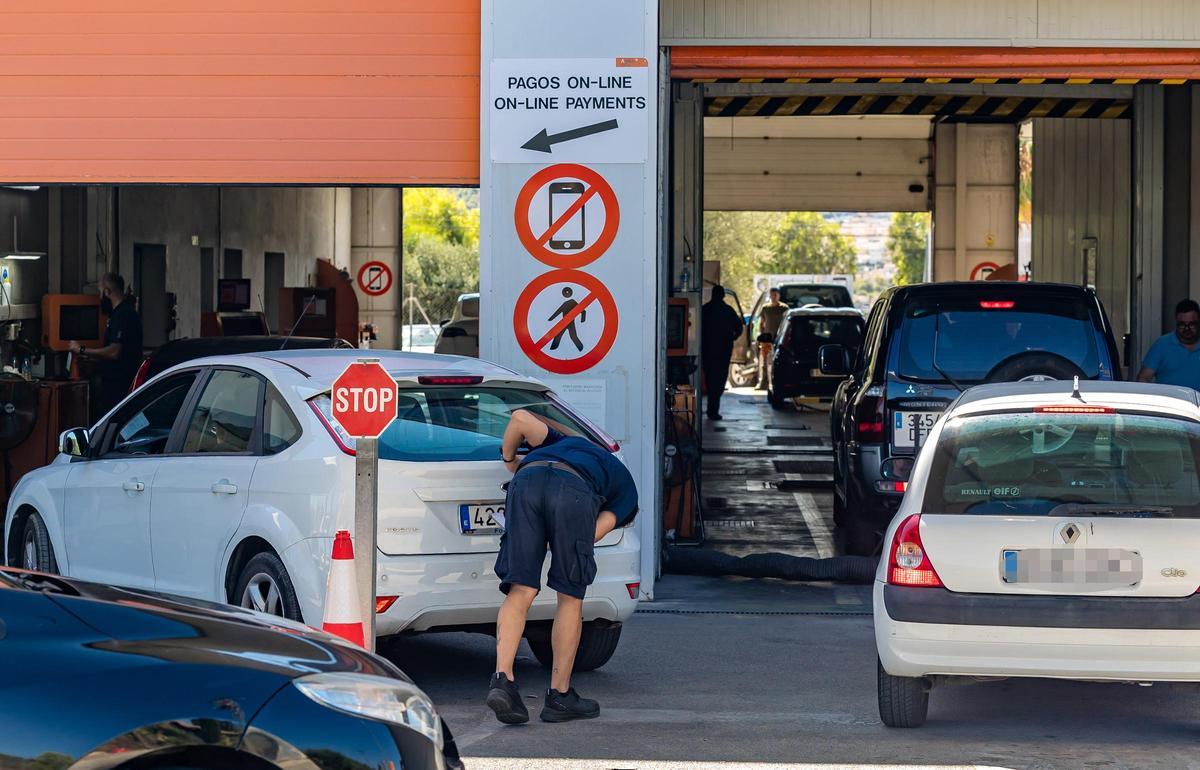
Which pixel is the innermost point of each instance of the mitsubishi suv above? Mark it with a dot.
(924, 345)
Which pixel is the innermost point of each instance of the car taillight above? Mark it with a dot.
(143, 374)
(384, 603)
(450, 380)
(632, 588)
(868, 416)
(1074, 409)
(786, 342)
(323, 408)
(887, 485)
(908, 564)
(993, 304)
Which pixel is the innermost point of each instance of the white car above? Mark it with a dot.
(1048, 530)
(226, 478)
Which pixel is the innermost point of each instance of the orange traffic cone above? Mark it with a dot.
(341, 593)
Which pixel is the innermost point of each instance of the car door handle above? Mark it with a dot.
(224, 488)
(133, 485)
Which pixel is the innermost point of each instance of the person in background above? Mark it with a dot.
(720, 326)
(772, 314)
(1174, 358)
(117, 361)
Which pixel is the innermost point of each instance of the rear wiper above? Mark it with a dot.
(937, 318)
(1134, 511)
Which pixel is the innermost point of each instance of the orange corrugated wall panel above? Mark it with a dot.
(240, 91)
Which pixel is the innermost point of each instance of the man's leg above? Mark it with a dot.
(568, 626)
(510, 627)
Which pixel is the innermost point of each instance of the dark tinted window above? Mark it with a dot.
(223, 420)
(280, 429)
(1029, 463)
(974, 335)
(145, 423)
(806, 334)
(796, 296)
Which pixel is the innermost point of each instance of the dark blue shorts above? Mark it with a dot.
(555, 507)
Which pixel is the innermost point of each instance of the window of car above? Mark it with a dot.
(973, 335)
(799, 295)
(280, 427)
(1030, 463)
(446, 424)
(808, 333)
(871, 337)
(143, 426)
(224, 417)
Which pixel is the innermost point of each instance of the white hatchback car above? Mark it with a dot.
(1047, 531)
(225, 479)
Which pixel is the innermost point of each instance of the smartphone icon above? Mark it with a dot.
(571, 235)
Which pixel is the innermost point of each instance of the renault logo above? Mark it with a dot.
(1069, 533)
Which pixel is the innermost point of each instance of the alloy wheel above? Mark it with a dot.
(262, 594)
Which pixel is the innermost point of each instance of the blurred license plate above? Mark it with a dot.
(1072, 566)
(909, 429)
(481, 519)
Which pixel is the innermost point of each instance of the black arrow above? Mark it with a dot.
(543, 141)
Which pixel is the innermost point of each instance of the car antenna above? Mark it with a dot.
(937, 317)
(307, 304)
(1075, 390)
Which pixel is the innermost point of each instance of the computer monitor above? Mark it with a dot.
(67, 317)
(677, 326)
(233, 295)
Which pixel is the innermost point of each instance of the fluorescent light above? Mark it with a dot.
(27, 255)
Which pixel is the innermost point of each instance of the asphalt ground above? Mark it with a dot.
(730, 673)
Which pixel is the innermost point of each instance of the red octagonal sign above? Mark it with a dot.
(364, 399)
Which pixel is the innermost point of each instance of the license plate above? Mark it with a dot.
(909, 429)
(481, 518)
(1098, 567)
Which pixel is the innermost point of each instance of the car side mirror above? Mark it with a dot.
(833, 360)
(74, 442)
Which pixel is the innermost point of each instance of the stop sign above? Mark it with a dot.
(364, 399)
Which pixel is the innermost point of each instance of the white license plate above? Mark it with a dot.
(481, 519)
(909, 429)
(1071, 566)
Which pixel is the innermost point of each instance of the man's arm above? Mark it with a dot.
(1146, 375)
(108, 352)
(523, 428)
(606, 522)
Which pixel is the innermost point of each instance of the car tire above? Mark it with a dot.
(903, 701)
(265, 585)
(1035, 364)
(742, 375)
(777, 402)
(597, 644)
(858, 537)
(37, 552)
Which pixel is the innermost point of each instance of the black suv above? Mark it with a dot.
(924, 345)
(801, 336)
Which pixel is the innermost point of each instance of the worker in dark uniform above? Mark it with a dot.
(117, 361)
(720, 326)
(568, 493)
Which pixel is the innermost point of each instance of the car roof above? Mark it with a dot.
(819, 311)
(321, 367)
(1171, 399)
(983, 287)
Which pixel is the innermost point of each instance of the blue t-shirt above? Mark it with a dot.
(1173, 364)
(601, 469)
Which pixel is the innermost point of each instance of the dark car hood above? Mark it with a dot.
(193, 631)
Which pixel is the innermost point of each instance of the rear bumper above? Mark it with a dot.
(874, 507)
(939, 645)
(449, 590)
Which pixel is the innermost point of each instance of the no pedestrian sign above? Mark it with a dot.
(364, 399)
(566, 321)
(588, 110)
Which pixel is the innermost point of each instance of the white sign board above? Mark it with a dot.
(587, 110)
(588, 397)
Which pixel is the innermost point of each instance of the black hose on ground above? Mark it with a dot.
(704, 561)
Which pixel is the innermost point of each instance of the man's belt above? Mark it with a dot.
(553, 465)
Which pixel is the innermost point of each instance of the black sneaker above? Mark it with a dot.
(505, 699)
(565, 706)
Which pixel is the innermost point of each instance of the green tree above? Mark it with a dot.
(441, 213)
(738, 240)
(907, 237)
(805, 242)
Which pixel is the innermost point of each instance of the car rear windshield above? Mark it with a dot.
(1029, 463)
(806, 334)
(825, 296)
(449, 424)
(973, 336)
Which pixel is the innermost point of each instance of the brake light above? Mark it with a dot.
(450, 380)
(384, 603)
(143, 374)
(908, 564)
(632, 588)
(899, 487)
(868, 416)
(322, 407)
(1072, 409)
(992, 304)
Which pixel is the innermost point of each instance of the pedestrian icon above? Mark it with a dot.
(565, 321)
(565, 311)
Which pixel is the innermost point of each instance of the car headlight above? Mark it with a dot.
(390, 700)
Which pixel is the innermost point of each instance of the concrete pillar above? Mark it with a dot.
(687, 195)
(1177, 199)
(1147, 263)
(376, 235)
(342, 224)
(975, 199)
